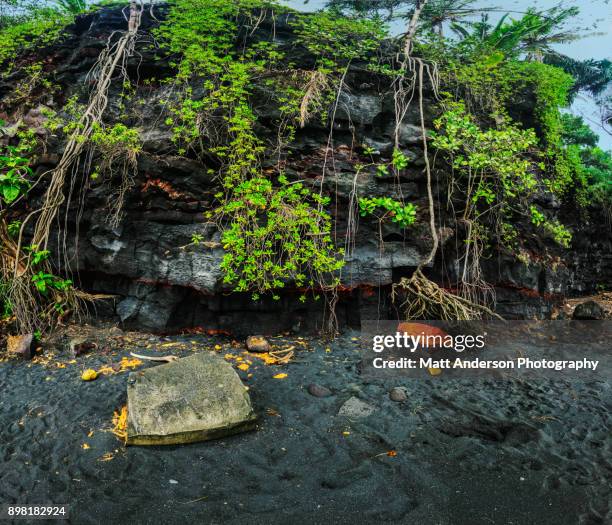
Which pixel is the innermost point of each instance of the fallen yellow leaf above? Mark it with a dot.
(435, 371)
(346, 433)
(127, 362)
(280, 376)
(243, 366)
(265, 357)
(85, 446)
(89, 375)
(120, 423)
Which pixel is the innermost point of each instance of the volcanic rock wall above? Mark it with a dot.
(164, 284)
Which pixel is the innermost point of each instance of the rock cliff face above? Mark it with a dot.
(164, 284)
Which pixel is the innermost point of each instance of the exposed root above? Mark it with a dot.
(424, 299)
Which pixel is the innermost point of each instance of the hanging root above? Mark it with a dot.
(315, 87)
(110, 59)
(116, 200)
(330, 319)
(35, 309)
(424, 299)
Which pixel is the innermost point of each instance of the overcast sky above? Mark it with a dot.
(595, 17)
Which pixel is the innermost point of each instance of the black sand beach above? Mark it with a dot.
(455, 452)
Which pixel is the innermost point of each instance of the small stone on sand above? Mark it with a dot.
(319, 391)
(398, 394)
(20, 345)
(257, 343)
(355, 408)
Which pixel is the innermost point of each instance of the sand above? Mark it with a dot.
(456, 452)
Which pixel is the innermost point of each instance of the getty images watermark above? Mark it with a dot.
(498, 349)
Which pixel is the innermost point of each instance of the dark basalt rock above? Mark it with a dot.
(589, 311)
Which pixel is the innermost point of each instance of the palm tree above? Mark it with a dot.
(438, 13)
(533, 35)
(592, 76)
(544, 30)
(74, 7)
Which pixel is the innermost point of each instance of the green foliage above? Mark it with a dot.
(403, 215)
(37, 256)
(574, 132)
(531, 36)
(13, 228)
(37, 30)
(45, 282)
(492, 85)
(496, 160)
(14, 173)
(558, 232)
(592, 76)
(336, 41)
(73, 7)
(276, 235)
(594, 164)
(498, 165)
(551, 86)
(598, 169)
(271, 233)
(119, 136)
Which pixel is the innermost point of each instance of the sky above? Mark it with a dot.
(595, 17)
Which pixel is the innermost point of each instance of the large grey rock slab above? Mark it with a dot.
(193, 399)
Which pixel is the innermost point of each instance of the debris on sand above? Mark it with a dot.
(120, 423)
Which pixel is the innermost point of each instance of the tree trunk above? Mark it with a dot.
(412, 26)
